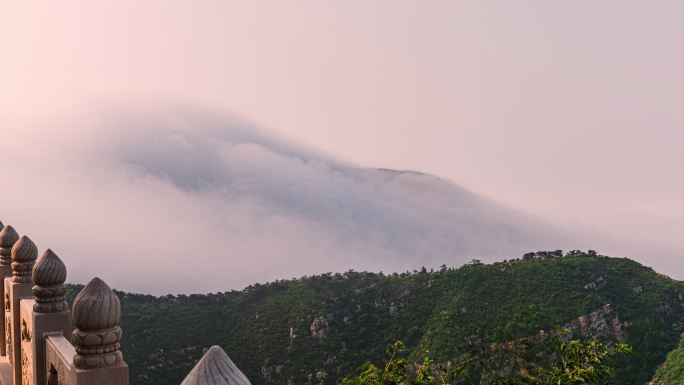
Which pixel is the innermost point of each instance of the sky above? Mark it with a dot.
(569, 112)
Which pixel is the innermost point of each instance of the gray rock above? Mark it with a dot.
(600, 323)
(320, 327)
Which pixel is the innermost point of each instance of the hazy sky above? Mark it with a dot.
(569, 110)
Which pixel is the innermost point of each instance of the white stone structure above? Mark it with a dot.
(215, 368)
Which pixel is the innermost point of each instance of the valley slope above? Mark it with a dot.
(672, 371)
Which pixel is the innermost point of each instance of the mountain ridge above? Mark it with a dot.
(326, 325)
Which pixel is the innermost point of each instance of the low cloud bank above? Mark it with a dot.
(193, 201)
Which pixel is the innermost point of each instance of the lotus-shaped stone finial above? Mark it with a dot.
(8, 237)
(96, 307)
(49, 274)
(49, 270)
(96, 315)
(24, 254)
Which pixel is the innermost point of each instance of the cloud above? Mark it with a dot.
(189, 200)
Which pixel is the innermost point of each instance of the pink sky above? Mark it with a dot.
(568, 110)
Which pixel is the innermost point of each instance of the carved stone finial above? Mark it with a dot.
(49, 274)
(8, 237)
(24, 254)
(215, 368)
(96, 315)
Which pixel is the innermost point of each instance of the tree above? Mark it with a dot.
(518, 362)
(580, 363)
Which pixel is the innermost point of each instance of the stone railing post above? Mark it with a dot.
(8, 237)
(46, 314)
(95, 357)
(97, 312)
(24, 254)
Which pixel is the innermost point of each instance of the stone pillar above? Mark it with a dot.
(24, 255)
(98, 358)
(8, 237)
(50, 312)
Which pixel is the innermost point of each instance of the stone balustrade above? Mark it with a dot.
(40, 346)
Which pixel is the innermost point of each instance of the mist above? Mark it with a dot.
(187, 200)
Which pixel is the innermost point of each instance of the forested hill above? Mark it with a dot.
(327, 325)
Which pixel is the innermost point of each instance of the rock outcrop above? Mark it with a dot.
(319, 327)
(600, 323)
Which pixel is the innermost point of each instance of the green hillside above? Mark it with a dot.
(327, 325)
(672, 371)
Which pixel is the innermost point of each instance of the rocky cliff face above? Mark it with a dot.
(602, 323)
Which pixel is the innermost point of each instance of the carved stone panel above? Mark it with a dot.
(7, 282)
(25, 331)
(27, 352)
(56, 375)
(26, 368)
(58, 356)
(53, 376)
(8, 336)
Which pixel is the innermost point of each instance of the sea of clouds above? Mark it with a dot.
(189, 200)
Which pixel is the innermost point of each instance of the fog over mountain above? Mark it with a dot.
(194, 201)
